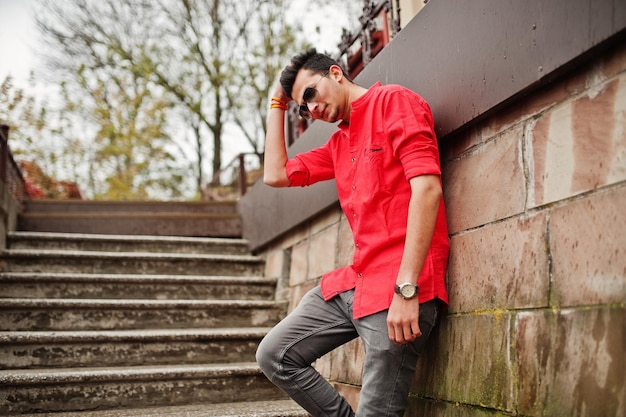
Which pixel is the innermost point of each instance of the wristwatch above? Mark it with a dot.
(406, 290)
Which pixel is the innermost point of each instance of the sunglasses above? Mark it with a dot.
(310, 94)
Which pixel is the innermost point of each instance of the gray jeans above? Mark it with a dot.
(315, 328)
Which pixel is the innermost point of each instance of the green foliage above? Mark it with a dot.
(131, 142)
(39, 141)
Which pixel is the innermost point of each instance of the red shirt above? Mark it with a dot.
(390, 139)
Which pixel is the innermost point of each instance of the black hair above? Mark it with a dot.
(309, 60)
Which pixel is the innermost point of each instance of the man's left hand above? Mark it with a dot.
(403, 320)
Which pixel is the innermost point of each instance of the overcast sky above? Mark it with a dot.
(17, 38)
(18, 34)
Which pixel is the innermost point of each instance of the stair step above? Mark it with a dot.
(75, 314)
(45, 390)
(123, 286)
(27, 260)
(125, 243)
(132, 223)
(278, 408)
(83, 206)
(73, 349)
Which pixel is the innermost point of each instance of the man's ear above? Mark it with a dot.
(336, 72)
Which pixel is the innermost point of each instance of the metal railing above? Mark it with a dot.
(10, 173)
(379, 23)
(238, 178)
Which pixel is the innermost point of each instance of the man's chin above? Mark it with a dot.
(331, 118)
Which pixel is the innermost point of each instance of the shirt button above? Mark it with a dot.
(360, 275)
(353, 159)
(354, 187)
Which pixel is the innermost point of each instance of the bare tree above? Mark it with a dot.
(215, 60)
(269, 42)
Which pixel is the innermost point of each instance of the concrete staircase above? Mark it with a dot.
(121, 325)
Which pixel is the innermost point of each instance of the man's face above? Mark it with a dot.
(316, 95)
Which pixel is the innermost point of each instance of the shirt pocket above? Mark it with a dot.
(373, 169)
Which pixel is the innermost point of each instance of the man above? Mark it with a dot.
(384, 158)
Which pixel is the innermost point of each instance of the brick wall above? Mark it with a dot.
(536, 199)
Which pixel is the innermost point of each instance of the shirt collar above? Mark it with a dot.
(359, 102)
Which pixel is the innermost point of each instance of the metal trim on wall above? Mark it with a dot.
(465, 59)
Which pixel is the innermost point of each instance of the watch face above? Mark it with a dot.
(408, 291)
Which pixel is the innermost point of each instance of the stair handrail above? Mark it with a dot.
(10, 172)
(241, 177)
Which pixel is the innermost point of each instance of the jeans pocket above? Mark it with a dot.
(429, 314)
(347, 297)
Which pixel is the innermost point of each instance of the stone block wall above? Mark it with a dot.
(536, 200)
